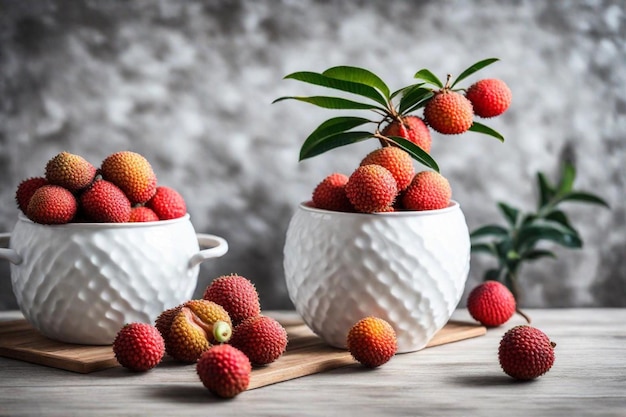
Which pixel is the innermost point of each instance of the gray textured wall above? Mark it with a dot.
(189, 85)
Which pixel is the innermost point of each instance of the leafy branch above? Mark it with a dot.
(518, 241)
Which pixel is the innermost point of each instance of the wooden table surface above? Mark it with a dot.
(459, 379)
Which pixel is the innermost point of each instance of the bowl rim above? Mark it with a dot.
(453, 206)
(92, 225)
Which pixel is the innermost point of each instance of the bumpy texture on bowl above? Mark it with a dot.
(408, 268)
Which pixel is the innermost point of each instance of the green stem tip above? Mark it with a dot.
(222, 331)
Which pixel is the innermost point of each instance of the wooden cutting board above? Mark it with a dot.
(306, 353)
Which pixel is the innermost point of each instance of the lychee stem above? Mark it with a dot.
(524, 315)
(222, 331)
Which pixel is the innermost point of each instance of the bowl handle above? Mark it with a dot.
(216, 245)
(9, 254)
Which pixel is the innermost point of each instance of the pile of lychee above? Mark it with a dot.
(123, 189)
(224, 334)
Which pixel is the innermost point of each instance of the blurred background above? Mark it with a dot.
(189, 84)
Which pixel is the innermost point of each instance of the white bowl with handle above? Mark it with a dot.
(81, 282)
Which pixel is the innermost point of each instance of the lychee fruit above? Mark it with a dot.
(491, 303)
(396, 160)
(261, 338)
(70, 171)
(526, 352)
(140, 214)
(224, 370)
(138, 346)
(132, 173)
(411, 128)
(52, 204)
(198, 325)
(449, 112)
(104, 202)
(167, 203)
(164, 321)
(429, 190)
(25, 191)
(489, 97)
(371, 188)
(372, 342)
(236, 294)
(330, 194)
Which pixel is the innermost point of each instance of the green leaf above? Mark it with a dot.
(567, 179)
(582, 197)
(489, 230)
(331, 127)
(474, 68)
(492, 275)
(412, 97)
(481, 128)
(510, 213)
(559, 217)
(429, 77)
(546, 230)
(546, 191)
(332, 103)
(405, 90)
(487, 248)
(535, 254)
(339, 84)
(334, 141)
(358, 75)
(416, 152)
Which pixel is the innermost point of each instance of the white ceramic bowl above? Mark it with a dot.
(81, 282)
(409, 268)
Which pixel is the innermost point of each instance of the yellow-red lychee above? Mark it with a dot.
(489, 97)
(396, 160)
(371, 188)
(132, 173)
(411, 128)
(52, 204)
(429, 190)
(449, 112)
(372, 341)
(330, 194)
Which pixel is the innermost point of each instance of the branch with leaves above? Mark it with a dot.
(519, 241)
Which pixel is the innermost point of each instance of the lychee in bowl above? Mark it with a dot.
(408, 268)
(81, 282)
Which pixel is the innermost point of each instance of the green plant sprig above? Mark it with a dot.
(387, 105)
(518, 242)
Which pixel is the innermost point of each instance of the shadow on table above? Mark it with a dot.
(485, 380)
(185, 394)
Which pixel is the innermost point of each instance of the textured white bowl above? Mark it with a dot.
(408, 268)
(81, 282)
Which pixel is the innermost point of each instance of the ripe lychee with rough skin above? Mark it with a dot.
(236, 294)
(411, 128)
(104, 202)
(489, 97)
(70, 171)
(429, 190)
(198, 325)
(52, 204)
(449, 112)
(138, 347)
(261, 338)
(26, 189)
(142, 214)
(132, 173)
(491, 303)
(526, 352)
(167, 203)
(371, 188)
(224, 370)
(372, 342)
(164, 321)
(330, 194)
(396, 160)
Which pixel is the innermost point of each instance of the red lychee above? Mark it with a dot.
(371, 188)
(525, 352)
(52, 204)
(490, 97)
(142, 214)
(330, 194)
(132, 173)
(491, 303)
(261, 338)
(372, 342)
(25, 191)
(104, 202)
(429, 190)
(236, 294)
(70, 171)
(449, 112)
(167, 203)
(411, 128)
(139, 346)
(224, 370)
(396, 160)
